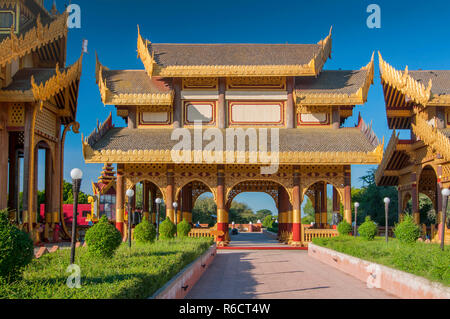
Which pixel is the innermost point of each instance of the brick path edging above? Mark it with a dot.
(396, 282)
(180, 285)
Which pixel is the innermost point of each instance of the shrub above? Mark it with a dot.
(167, 229)
(407, 231)
(16, 249)
(368, 229)
(268, 221)
(103, 239)
(344, 228)
(144, 232)
(183, 229)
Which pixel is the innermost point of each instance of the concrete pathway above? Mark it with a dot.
(277, 274)
(253, 240)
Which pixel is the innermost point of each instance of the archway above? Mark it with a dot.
(326, 210)
(428, 188)
(187, 196)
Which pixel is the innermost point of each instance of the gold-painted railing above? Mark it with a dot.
(200, 232)
(309, 234)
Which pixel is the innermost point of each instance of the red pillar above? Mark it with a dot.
(348, 194)
(169, 194)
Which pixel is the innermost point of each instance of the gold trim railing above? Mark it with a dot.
(309, 234)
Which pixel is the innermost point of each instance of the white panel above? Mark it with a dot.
(199, 112)
(313, 117)
(199, 95)
(256, 95)
(155, 117)
(258, 113)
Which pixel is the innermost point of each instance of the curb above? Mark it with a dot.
(180, 285)
(396, 282)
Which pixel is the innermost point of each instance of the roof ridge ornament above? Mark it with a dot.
(99, 131)
(144, 54)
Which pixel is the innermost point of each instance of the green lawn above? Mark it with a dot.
(426, 260)
(129, 274)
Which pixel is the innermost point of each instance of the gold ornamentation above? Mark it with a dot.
(312, 68)
(57, 83)
(257, 82)
(431, 136)
(357, 98)
(110, 98)
(403, 82)
(205, 83)
(16, 47)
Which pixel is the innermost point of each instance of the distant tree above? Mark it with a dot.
(68, 195)
(370, 198)
(308, 212)
(204, 211)
(263, 213)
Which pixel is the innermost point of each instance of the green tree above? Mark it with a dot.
(68, 195)
(308, 212)
(370, 198)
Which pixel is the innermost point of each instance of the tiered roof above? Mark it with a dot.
(407, 95)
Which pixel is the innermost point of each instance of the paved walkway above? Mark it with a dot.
(254, 240)
(278, 274)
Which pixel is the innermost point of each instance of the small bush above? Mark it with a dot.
(103, 239)
(407, 232)
(167, 229)
(268, 221)
(183, 229)
(16, 249)
(368, 230)
(144, 232)
(344, 228)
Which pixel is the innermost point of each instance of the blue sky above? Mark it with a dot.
(415, 33)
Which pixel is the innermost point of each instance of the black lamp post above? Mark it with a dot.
(386, 213)
(130, 194)
(445, 194)
(76, 175)
(158, 202)
(356, 214)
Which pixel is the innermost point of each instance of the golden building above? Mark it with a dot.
(38, 99)
(256, 89)
(417, 101)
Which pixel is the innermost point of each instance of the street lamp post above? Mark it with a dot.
(76, 175)
(356, 214)
(445, 195)
(130, 194)
(175, 206)
(386, 213)
(158, 203)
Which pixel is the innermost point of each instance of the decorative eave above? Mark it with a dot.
(16, 47)
(297, 158)
(431, 136)
(44, 91)
(391, 148)
(58, 82)
(357, 98)
(312, 68)
(110, 98)
(404, 83)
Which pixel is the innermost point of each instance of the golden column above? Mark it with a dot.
(120, 203)
(348, 193)
(222, 213)
(169, 194)
(145, 197)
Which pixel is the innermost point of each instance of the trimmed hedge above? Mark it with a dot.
(183, 229)
(368, 230)
(16, 249)
(344, 228)
(167, 229)
(103, 239)
(407, 231)
(144, 232)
